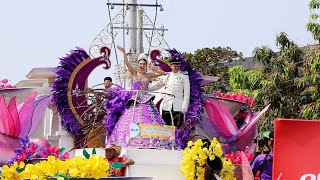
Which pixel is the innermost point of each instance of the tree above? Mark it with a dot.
(288, 80)
(313, 25)
(214, 62)
(310, 82)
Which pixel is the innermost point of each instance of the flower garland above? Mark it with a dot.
(94, 167)
(29, 150)
(195, 156)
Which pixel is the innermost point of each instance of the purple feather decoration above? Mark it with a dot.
(156, 61)
(60, 88)
(115, 105)
(154, 56)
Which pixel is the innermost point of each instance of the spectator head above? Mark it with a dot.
(112, 151)
(107, 82)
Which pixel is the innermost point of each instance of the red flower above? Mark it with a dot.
(33, 148)
(236, 158)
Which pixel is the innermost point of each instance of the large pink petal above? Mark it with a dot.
(207, 128)
(254, 120)
(246, 168)
(221, 118)
(28, 99)
(7, 120)
(10, 119)
(7, 146)
(2, 117)
(15, 116)
(40, 105)
(25, 115)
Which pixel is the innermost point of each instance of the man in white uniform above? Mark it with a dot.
(177, 84)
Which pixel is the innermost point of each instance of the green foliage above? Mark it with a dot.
(289, 80)
(87, 155)
(214, 62)
(239, 78)
(62, 150)
(311, 84)
(94, 151)
(313, 25)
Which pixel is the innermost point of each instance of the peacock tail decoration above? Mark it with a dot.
(60, 88)
(69, 95)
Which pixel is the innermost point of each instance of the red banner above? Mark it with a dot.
(296, 150)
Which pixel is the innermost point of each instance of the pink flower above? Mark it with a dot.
(7, 86)
(65, 155)
(5, 81)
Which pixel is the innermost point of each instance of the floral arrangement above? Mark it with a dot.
(236, 157)
(29, 150)
(238, 97)
(195, 156)
(94, 167)
(4, 84)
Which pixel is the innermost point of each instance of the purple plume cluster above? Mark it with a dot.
(115, 105)
(59, 88)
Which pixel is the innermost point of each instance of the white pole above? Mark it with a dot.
(140, 31)
(133, 26)
(132, 35)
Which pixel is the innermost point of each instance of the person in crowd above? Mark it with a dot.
(262, 164)
(112, 153)
(107, 83)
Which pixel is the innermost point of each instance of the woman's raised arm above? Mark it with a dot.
(125, 57)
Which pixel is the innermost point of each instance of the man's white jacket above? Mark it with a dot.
(176, 84)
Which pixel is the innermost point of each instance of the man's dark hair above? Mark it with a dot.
(108, 78)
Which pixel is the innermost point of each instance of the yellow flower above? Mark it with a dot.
(74, 172)
(10, 172)
(195, 157)
(21, 164)
(198, 142)
(94, 167)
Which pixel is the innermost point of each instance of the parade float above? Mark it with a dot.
(71, 115)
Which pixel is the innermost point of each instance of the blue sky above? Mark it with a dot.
(35, 33)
